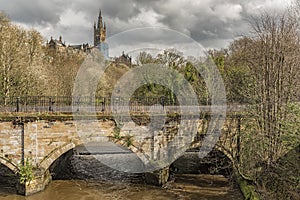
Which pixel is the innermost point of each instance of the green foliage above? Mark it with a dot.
(247, 189)
(128, 140)
(189, 72)
(238, 83)
(169, 60)
(151, 94)
(117, 130)
(237, 76)
(291, 126)
(282, 179)
(116, 134)
(279, 179)
(26, 172)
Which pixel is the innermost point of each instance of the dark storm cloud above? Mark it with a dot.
(122, 10)
(33, 11)
(211, 22)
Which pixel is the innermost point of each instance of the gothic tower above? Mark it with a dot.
(100, 36)
(99, 31)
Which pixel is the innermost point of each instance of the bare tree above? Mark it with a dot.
(144, 58)
(62, 70)
(12, 45)
(21, 63)
(275, 63)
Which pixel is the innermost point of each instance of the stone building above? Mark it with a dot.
(56, 45)
(124, 59)
(81, 47)
(99, 41)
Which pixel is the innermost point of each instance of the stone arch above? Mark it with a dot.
(10, 165)
(61, 165)
(190, 162)
(55, 154)
(222, 161)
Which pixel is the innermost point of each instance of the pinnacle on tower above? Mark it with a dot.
(100, 23)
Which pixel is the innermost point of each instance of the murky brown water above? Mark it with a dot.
(198, 187)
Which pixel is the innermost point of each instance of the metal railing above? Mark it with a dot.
(67, 104)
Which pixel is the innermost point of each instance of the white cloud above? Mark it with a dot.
(255, 7)
(146, 18)
(72, 18)
(227, 12)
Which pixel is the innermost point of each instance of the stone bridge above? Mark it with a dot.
(42, 142)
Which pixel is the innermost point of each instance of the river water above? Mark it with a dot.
(198, 187)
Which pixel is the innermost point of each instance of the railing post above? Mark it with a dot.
(163, 102)
(18, 104)
(103, 104)
(90, 102)
(116, 104)
(50, 104)
(22, 143)
(78, 103)
(238, 139)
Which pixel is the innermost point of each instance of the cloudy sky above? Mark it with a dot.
(212, 23)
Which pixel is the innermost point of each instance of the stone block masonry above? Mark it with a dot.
(42, 142)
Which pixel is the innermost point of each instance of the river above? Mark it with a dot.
(185, 187)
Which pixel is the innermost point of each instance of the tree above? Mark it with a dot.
(12, 59)
(34, 79)
(271, 55)
(21, 66)
(275, 64)
(144, 58)
(62, 70)
(171, 58)
(236, 75)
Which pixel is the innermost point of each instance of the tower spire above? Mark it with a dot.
(100, 23)
(99, 30)
(100, 36)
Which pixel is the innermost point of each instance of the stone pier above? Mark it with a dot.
(158, 178)
(40, 181)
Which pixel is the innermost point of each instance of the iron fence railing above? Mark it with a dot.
(95, 104)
